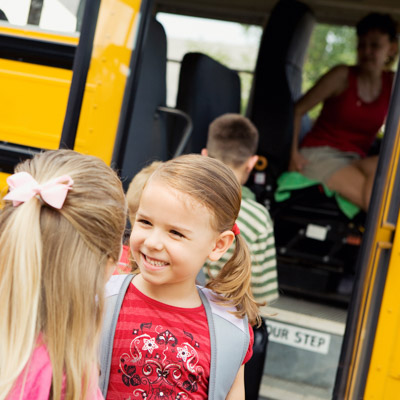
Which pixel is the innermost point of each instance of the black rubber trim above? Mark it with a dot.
(37, 51)
(80, 70)
(12, 154)
(131, 87)
(392, 124)
(372, 224)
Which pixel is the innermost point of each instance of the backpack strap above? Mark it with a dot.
(229, 340)
(115, 292)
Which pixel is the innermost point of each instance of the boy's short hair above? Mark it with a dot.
(383, 23)
(232, 139)
(136, 188)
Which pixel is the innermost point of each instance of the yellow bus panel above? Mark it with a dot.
(383, 380)
(384, 373)
(32, 32)
(33, 103)
(108, 73)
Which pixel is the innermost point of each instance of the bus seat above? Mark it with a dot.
(218, 87)
(3, 16)
(317, 244)
(277, 84)
(147, 137)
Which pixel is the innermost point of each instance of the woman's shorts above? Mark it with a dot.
(324, 161)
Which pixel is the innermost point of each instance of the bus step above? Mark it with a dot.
(280, 389)
(305, 339)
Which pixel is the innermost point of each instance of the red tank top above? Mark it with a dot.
(346, 122)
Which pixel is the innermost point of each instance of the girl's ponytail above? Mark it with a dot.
(232, 284)
(53, 264)
(20, 277)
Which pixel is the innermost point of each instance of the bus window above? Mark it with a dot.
(330, 45)
(49, 15)
(234, 45)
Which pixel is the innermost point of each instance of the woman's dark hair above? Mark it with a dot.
(383, 23)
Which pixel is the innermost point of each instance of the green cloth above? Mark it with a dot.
(289, 181)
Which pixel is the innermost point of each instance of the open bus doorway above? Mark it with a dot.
(236, 46)
(306, 326)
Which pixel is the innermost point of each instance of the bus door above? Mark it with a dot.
(370, 356)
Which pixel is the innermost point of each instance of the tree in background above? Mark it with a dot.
(330, 45)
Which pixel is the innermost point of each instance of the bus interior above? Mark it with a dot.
(182, 84)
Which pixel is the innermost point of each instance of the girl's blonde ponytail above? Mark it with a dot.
(20, 271)
(53, 270)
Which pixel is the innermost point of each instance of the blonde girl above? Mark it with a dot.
(60, 234)
(187, 214)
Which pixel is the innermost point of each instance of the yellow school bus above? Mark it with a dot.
(91, 75)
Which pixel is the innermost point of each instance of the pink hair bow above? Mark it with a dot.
(23, 187)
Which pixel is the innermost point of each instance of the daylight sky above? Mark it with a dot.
(57, 17)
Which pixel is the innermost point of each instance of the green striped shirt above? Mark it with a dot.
(256, 227)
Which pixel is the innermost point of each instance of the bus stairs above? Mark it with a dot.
(305, 339)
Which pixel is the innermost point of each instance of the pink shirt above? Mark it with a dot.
(35, 380)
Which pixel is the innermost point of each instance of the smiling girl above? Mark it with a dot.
(165, 343)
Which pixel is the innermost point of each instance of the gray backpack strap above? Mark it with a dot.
(229, 340)
(115, 292)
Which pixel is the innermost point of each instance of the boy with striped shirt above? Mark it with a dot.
(233, 139)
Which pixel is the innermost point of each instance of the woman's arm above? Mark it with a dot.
(329, 85)
(237, 389)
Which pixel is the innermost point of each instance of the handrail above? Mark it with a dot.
(80, 71)
(187, 132)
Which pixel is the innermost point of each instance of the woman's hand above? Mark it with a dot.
(297, 162)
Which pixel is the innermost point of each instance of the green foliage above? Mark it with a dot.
(246, 80)
(329, 46)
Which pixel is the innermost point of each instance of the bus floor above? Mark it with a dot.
(305, 339)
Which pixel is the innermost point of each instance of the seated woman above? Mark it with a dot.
(356, 100)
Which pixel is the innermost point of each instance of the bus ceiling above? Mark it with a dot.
(340, 12)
